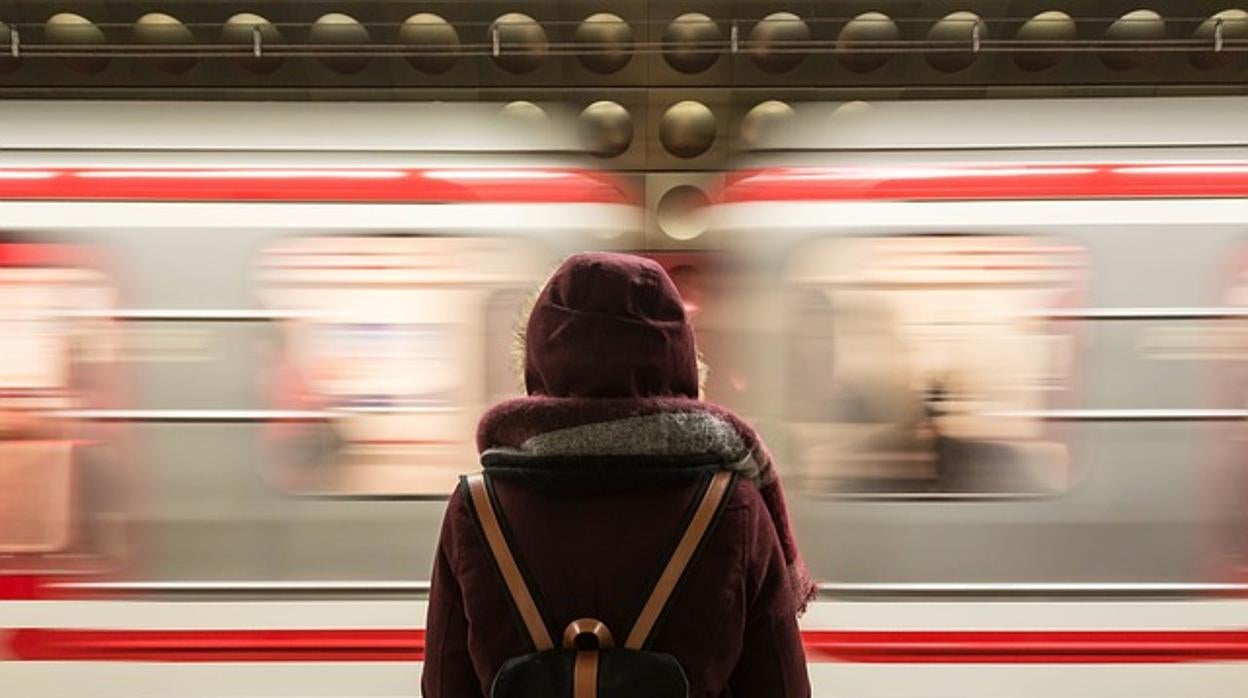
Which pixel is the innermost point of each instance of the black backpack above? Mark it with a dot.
(589, 664)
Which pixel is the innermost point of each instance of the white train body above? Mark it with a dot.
(1018, 479)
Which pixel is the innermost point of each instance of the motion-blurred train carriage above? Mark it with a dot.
(242, 342)
(996, 346)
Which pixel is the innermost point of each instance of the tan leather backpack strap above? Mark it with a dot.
(703, 516)
(487, 517)
(585, 675)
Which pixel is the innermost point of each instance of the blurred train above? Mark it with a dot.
(997, 346)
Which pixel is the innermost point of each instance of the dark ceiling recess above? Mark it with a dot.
(667, 86)
(565, 44)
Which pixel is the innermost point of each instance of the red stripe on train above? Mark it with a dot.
(22, 587)
(986, 182)
(1027, 647)
(345, 185)
(919, 647)
(43, 644)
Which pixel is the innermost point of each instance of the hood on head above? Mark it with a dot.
(610, 326)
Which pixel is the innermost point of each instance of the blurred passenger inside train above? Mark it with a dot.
(594, 476)
(878, 406)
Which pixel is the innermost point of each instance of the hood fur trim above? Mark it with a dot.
(661, 434)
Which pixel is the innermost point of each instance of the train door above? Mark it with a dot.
(63, 485)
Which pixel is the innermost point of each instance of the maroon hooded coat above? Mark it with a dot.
(595, 473)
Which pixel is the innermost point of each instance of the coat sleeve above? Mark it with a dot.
(448, 670)
(772, 661)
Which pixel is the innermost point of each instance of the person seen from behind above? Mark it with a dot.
(624, 532)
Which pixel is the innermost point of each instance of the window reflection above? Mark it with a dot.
(919, 365)
(62, 483)
(394, 340)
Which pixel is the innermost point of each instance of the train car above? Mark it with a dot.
(244, 351)
(998, 347)
(995, 345)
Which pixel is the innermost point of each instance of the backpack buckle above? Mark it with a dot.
(587, 634)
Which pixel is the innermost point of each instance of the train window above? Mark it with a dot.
(919, 365)
(62, 503)
(387, 356)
